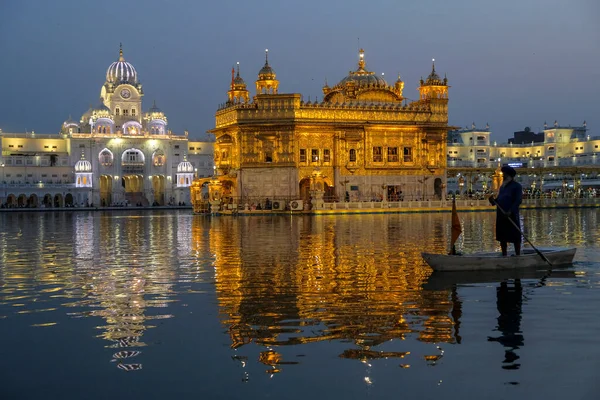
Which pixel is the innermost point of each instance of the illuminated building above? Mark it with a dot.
(567, 158)
(364, 138)
(114, 154)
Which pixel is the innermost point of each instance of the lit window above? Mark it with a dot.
(352, 155)
(408, 155)
(377, 154)
(314, 155)
(302, 155)
(392, 154)
(326, 155)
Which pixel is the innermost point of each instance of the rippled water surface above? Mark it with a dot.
(171, 305)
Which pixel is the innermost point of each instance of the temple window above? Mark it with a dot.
(223, 155)
(326, 156)
(133, 112)
(392, 154)
(302, 155)
(314, 155)
(117, 111)
(408, 155)
(125, 112)
(352, 155)
(377, 154)
(268, 156)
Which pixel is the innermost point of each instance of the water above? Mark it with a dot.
(161, 305)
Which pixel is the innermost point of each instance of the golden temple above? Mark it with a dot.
(364, 139)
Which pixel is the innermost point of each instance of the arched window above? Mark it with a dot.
(133, 112)
(117, 111)
(352, 155)
(106, 157)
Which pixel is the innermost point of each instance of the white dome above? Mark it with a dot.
(83, 166)
(185, 166)
(121, 71)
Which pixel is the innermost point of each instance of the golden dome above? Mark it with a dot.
(363, 85)
(266, 72)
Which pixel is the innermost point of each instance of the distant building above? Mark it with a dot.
(113, 154)
(526, 136)
(566, 154)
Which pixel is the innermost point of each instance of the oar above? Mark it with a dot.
(522, 234)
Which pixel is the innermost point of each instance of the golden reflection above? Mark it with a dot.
(332, 278)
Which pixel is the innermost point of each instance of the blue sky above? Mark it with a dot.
(510, 63)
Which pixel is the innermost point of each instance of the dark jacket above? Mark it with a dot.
(509, 198)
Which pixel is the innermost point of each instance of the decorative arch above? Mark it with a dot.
(11, 201)
(106, 157)
(159, 158)
(58, 200)
(22, 200)
(132, 128)
(158, 127)
(69, 200)
(132, 156)
(32, 201)
(47, 202)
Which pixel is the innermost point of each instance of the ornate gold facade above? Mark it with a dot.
(364, 141)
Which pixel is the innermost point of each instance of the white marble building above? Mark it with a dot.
(115, 154)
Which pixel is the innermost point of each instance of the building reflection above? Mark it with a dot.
(104, 265)
(321, 279)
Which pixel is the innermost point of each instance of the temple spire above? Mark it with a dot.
(361, 59)
(121, 58)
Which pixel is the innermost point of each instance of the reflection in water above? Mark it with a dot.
(117, 268)
(509, 302)
(323, 279)
(355, 283)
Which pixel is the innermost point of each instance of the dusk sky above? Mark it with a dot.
(510, 63)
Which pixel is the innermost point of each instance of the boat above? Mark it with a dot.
(493, 261)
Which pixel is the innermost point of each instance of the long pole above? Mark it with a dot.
(524, 237)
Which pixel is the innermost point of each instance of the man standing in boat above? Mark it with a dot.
(508, 201)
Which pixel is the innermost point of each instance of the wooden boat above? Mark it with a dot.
(529, 258)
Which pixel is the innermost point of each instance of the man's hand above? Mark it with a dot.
(492, 200)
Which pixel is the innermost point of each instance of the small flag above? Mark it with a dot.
(456, 227)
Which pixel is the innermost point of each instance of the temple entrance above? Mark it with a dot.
(69, 200)
(11, 201)
(22, 201)
(227, 191)
(32, 201)
(329, 196)
(158, 188)
(106, 190)
(134, 187)
(437, 188)
(305, 190)
(58, 200)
